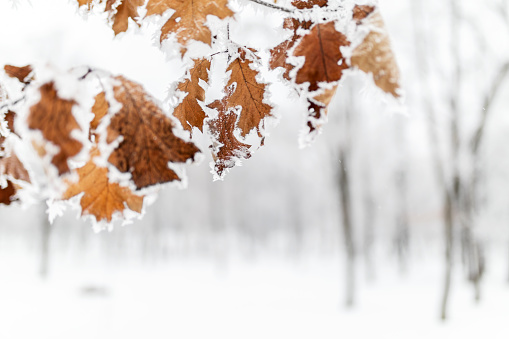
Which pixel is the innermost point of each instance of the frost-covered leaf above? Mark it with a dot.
(8, 193)
(120, 11)
(324, 62)
(148, 141)
(188, 21)
(226, 148)
(20, 73)
(247, 93)
(374, 55)
(317, 108)
(12, 167)
(189, 112)
(53, 116)
(101, 198)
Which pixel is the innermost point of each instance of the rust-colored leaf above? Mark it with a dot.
(226, 148)
(13, 167)
(53, 117)
(189, 112)
(148, 143)
(374, 55)
(308, 4)
(7, 194)
(188, 21)
(101, 198)
(248, 94)
(361, 11)
(324, 61)
(88, 3)
(9, 117)
(317, 108)
(100, 109)
(122, 11)
(20, 73)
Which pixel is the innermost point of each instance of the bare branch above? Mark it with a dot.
(488, 100)
(279, 8)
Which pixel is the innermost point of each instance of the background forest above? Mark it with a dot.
(395, 220)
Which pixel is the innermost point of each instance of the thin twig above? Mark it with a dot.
(279, 8)
(12, 103)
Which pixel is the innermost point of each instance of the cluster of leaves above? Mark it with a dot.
(105, 141)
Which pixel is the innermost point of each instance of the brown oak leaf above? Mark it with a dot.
(100, 109)
(324, 61)
(317, 108)
(360, 12)
(188, 21)
(308, 4)
(226, 148)
(12, 166)
(101, 198)
(374, 55)
(148, 142)
(53, 117)
(121, 13)
(20, 73)
(7, 194)
(248, 93)
(189, 112)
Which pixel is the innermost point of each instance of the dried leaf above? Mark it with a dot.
(7, 194)
(53, 117)
(188, 21)
(226, 148)
(101, 198)
(248, 93)
(20, 73)
(13, 167)
(189, 112)
(100, 109)
(374, 55)
(324, 61)
(308, 4)
(360, 12)
(122, 12)
(148, 143)
(317, 108)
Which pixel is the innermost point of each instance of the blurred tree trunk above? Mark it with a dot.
(369, 223)
(345, 201)
(46, 230)
(402, 236)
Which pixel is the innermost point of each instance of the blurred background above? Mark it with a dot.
(394, 221)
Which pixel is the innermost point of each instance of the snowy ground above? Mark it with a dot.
(266, 298)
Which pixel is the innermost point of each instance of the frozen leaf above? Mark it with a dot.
(13, 167)
(374, 55)
(360, 12)
(7, 194)
(20, 73)
(188, 21)
(53, 117)
(307, 4)
(317, 108)
(101, 198)
(246, 93)
(148, 142)
(226, 148)
(189, 112)
(122, 11)
(324, 62)
(100, 109)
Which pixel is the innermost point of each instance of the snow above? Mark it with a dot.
(270, 297)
